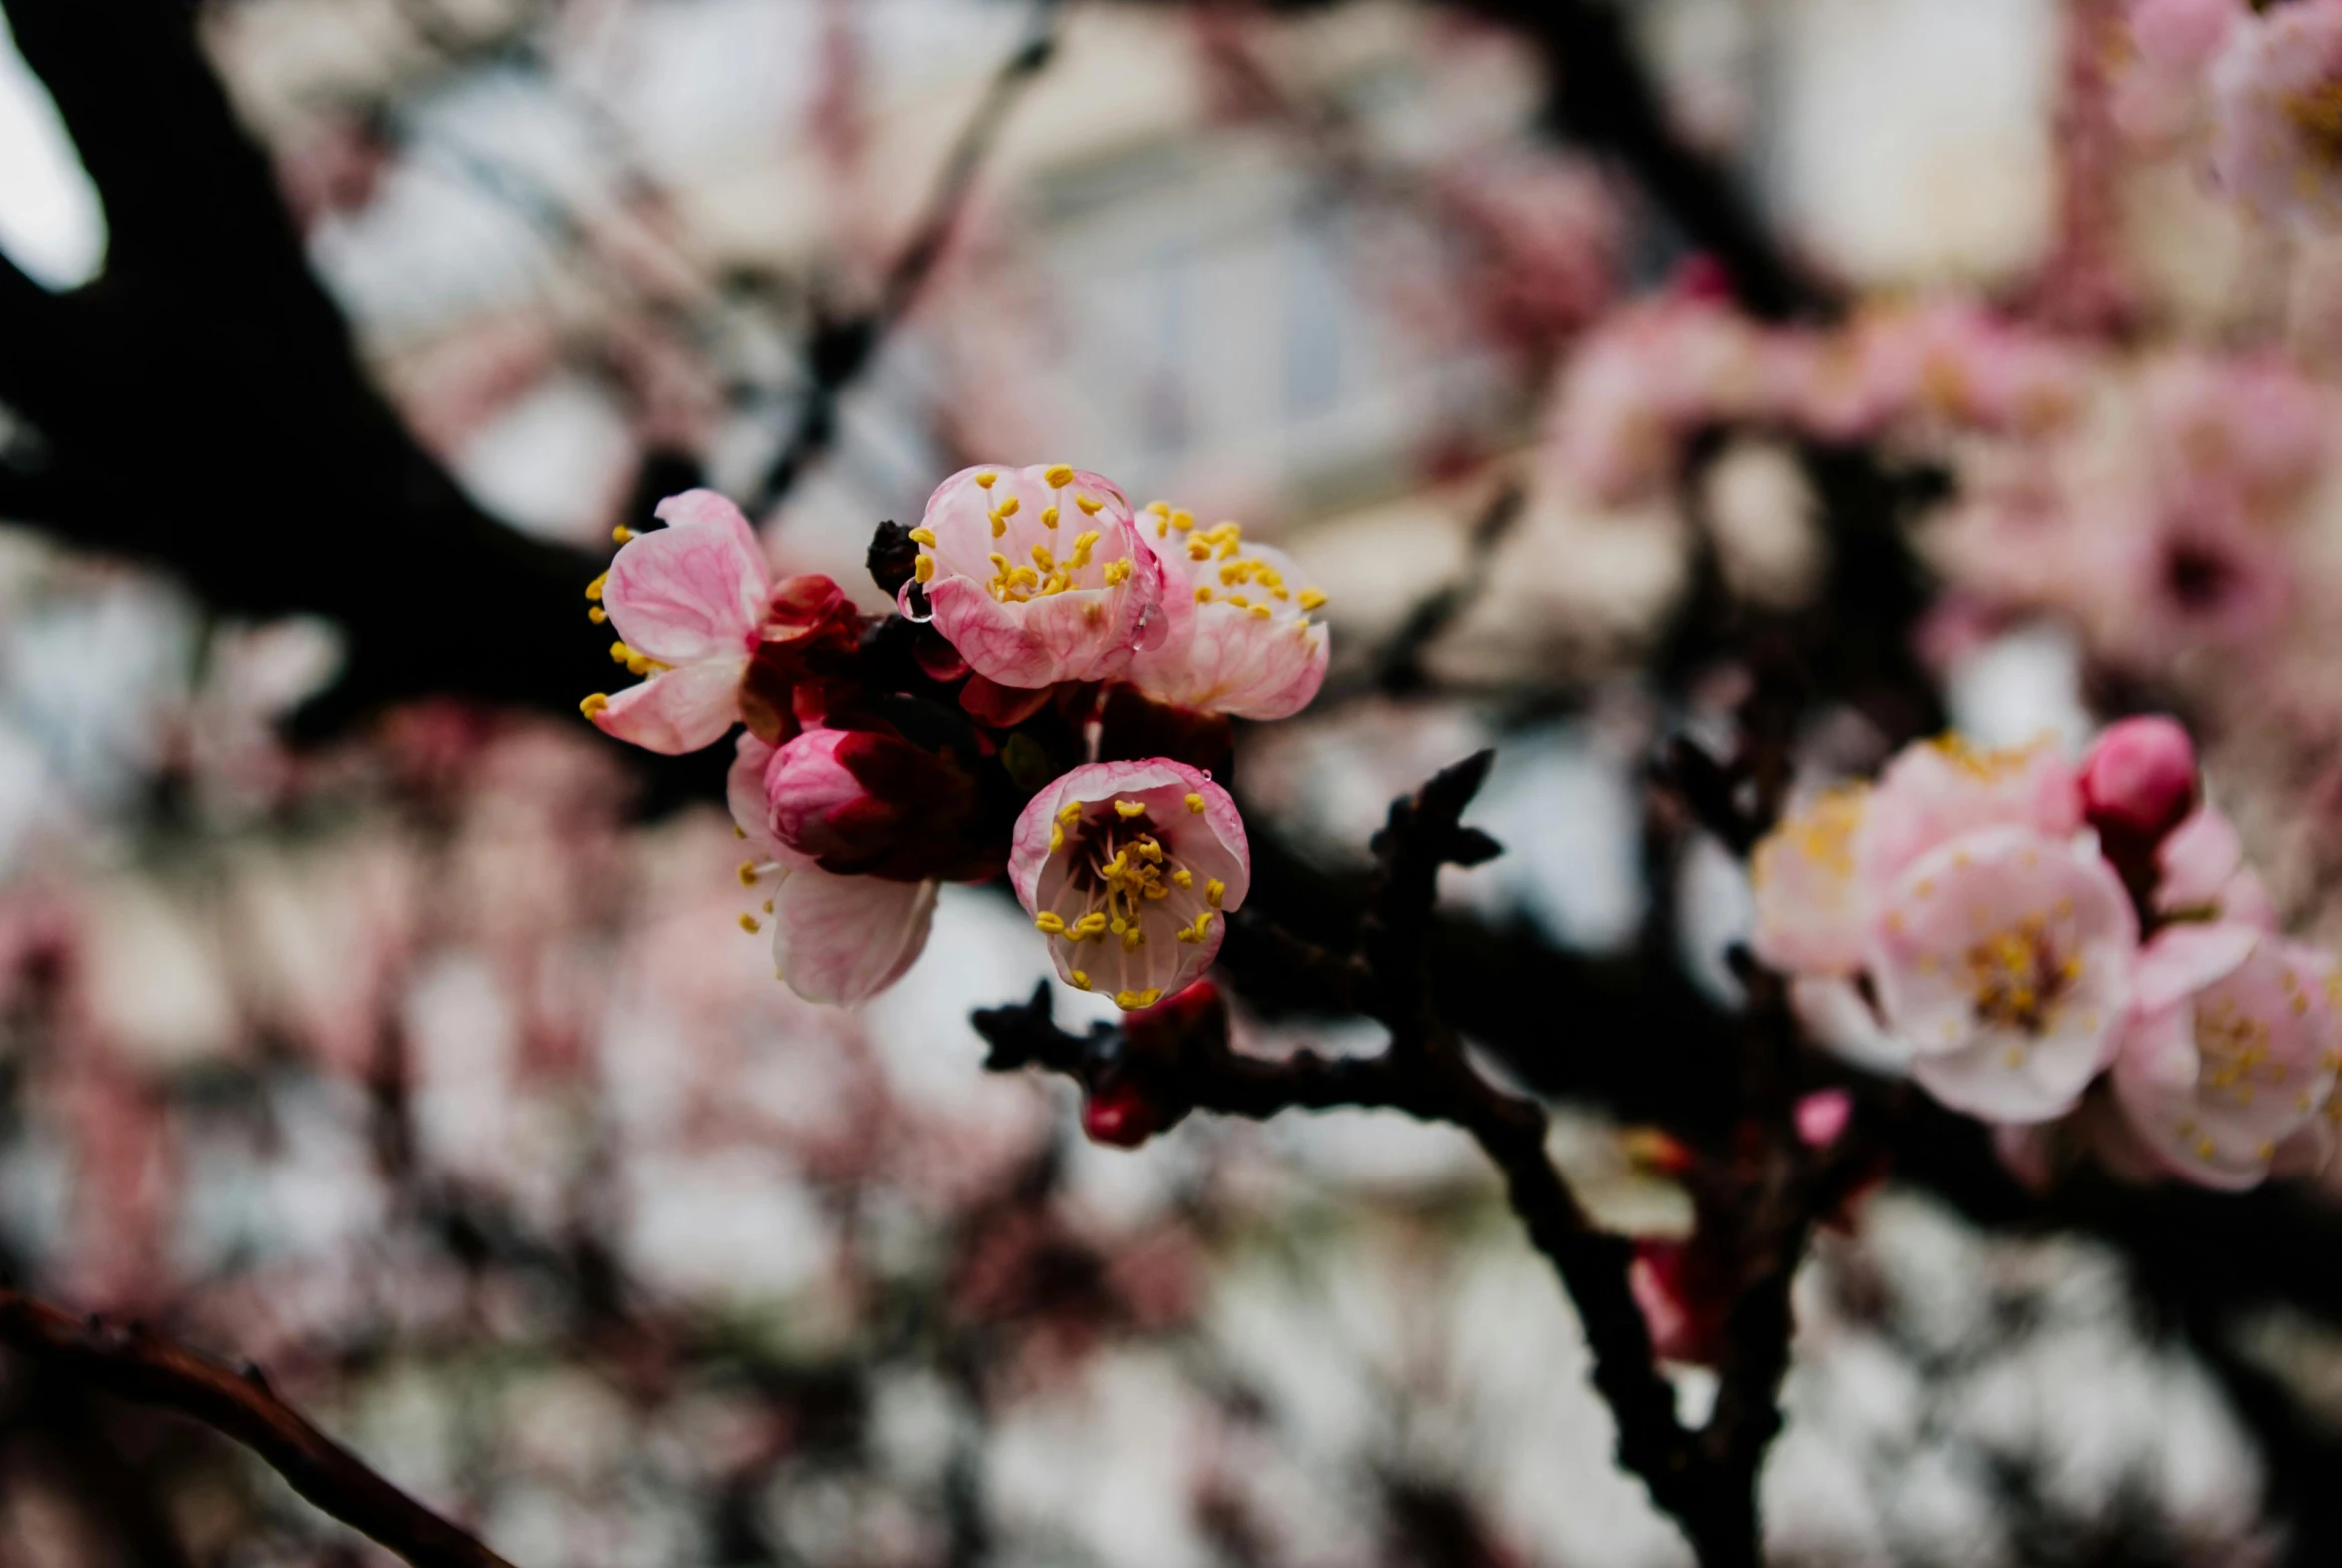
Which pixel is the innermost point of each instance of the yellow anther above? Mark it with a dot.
(621, 534)
(998, 527)
(1199, 550)
(1058, 582)
(1239, 601)
(1054, 924)
(1235, 571)
(1049, 517)
(768, 906)
(1127, 999)
(748, 923)
(593, 589)
(1148, 851)
(924, 536)
(594, 704)
(1214, 891)
(1156, 510)
(1078, 978)
(1184, 877)
(1311, 599)
(1089, 504)
(1230, 550)
(984, 480)
(1183, 520)
(1116, 571)
(638, 666)
(1089, 925)
(1007, 507)
(1083, 544)
(1263, 612)
(748, 873)
(1155, 890)
(1267, 575)
(1281, 594)
(1057, 838)
(1059, 476)
(1117, 925)
(923, 569)
(1114, 869)
(1070, 813)
(738, 831)
(1000, 562)
(1195, 804)
(1203, 595)
(1127, 809)
(597, 615)
(1199, 931)
(1024, 577)
(1132, 938)
(620, 653)
(1043, 559)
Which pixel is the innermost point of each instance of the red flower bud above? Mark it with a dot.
(1119, 1113)
(2139, 780)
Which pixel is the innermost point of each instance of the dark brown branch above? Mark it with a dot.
(842, 348)
(129, 1364)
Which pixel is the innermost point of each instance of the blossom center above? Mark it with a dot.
(2317, 113)
(1224, 574)
(1127, 894)
(2019, 976)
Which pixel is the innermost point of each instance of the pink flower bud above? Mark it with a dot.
(2139, 781)
(1119, 1113)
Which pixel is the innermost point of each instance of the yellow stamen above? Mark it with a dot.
(984, 480)
(923, 569)
(1195, 804)
(1132, 938)
(1311, 599)
(620, 653)
(1116, 571)
(1130, 1001)
(1263, 612)
(1203, 595)
(1184, 877)
(924, 536)
(1183, 520)
(1070, 813)
(1054, 924)
(1057, 838)
(748, 873)
(1214, 891)
(1077, 978)
(594, 704)
(1127, 809)
(621, 534)
(1059, 476)
(1049, 517)
(1199, 550)
(597, 615)
(748, 923)
(1089, 504)
(1041, 558)
(1007, 507)
(593, 589)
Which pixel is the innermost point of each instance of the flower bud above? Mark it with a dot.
(1119, 1113)
(2139, 780)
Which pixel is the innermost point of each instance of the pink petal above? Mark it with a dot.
(707, 509)
(2186, 958)
(841, 939)
(678, 710)
(2197, 860)
(689, 592)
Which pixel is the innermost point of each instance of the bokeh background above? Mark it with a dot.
(421, 1060)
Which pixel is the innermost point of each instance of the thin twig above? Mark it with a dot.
(127, 1361)
(841, 348)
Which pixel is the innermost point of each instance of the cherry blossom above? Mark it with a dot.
(1129, 869)
(2002, 963)
(2160, 94)
(687, 601)
(1809, 903)
(1237, 638)
(836, 938)
(1036, 576)
(2202, 874)
(2232, 1051)
(1937, 790)
(2140, 778)
(2277, 112)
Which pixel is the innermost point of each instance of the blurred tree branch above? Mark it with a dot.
(129, 1364)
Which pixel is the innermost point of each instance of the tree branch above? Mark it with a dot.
(129, 1364)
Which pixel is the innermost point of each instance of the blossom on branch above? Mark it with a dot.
(1237, 638)
(1034, 576)
(2232, 1053)
(1130, 870)
(687, 601)
(2277, 112)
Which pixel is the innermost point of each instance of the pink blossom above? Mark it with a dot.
(2140, 778)
(2277, 112)
(1810, 909)
(688, 601)
(869, 803)
(2235, 434)
(2232, 1052)
(2002, 964)
(836, 938)
(1130, 868)
(1237, 638)
(1638, 385)
(1036, 576)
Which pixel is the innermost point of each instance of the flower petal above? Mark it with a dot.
(841, 939)
(678, 710)
(693, 592)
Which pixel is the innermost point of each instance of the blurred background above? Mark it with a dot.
(365, 1014)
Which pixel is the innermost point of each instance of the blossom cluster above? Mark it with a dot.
(2031, 941)
(1051, 701)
